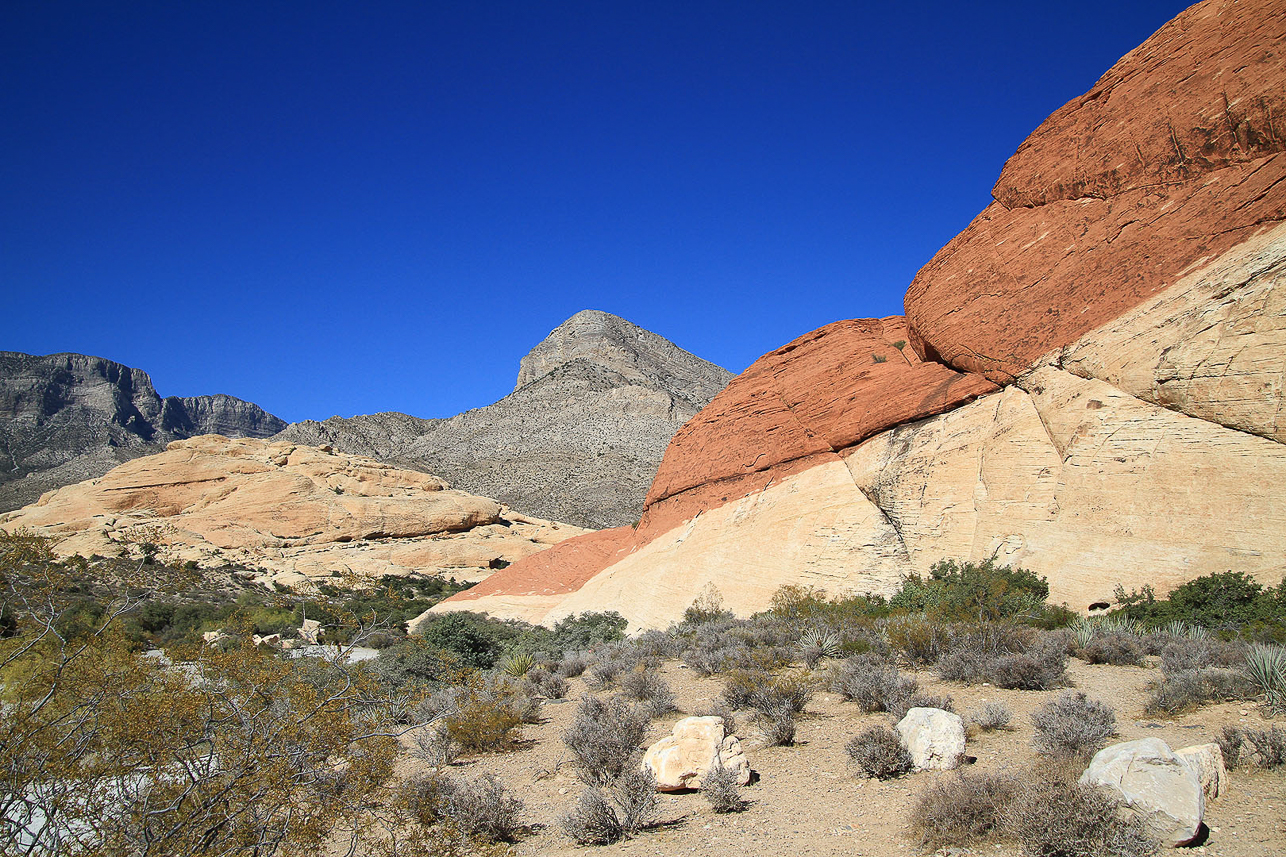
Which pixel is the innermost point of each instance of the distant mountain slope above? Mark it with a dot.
(69, 417)
(578, 440)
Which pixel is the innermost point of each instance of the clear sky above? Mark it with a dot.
(349, 207)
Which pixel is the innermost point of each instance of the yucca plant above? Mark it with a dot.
(823, 640)
(1119, 624)
(518, 664)
(1084, 630)
(1179, 628)
(1267, 668)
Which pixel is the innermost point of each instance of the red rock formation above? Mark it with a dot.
(1173, 157)
(821, 393)
(826, 391)
(562, 568)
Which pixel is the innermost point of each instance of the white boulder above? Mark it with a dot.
(1155, 784)
(1207, 760)
(935, 738)
(683, 758)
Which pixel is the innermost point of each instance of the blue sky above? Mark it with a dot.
(348, 207)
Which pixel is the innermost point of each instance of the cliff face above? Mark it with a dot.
(1088, 383)
(578, 440)
(68, 417)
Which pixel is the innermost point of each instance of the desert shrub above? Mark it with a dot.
(658, 644)
(1266, 746)
(486, 713)
(415, 661)
(871, 682)
(719, 708)
(719, 786)
(1122, 650)
(921, 640)
(433, 744)
(1055, 816)
(776, 718)
(1229, 741)
(604, 737)
(603, 817)
(992, 716)
(973, 592)
(1006, 655)
(548, 684)
(963, 809)
(647, 686)
(573, 664)
(762, 691)
(1184, 654)
(898, 709)
(1072, 724)
(1187, 690)
(878, 752)
(706, 608)
(481, 808)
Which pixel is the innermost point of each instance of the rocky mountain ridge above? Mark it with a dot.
(1088, 381)
(579, 438)
(68, 417)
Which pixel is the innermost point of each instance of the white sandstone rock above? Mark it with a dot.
(935, 738)
(1161, 788)
(1207, 761)
(682, 759)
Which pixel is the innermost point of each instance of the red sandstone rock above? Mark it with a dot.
(1204, 92)
(821, 393)
(562, 568)
(1175, 156)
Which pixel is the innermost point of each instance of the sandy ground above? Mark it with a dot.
(807, 799)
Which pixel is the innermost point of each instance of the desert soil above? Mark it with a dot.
(807, 799)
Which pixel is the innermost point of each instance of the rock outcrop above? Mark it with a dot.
(1088, 382)
(578, 440)
(934, 738)
(1160, 788)
(696, 746)
(298, 513)
(69, 417)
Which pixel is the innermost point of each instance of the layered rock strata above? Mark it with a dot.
(1089, 382)
(297, 513)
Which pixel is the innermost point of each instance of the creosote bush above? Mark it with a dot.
(646, 686)
(719, 786)
(481, 808)
(962, 809)
(603, 816)
(1072, 724)
(873, 683)
(604, 738)
(878, 752)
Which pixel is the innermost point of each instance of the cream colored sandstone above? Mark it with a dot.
(682, 759)
(300, 513)
(1213, 345)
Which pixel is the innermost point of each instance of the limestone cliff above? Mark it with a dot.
(1088, 382)
(68, 417)
(578, 440)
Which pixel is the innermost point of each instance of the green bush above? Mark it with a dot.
(1231, 602)
(973, 592)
